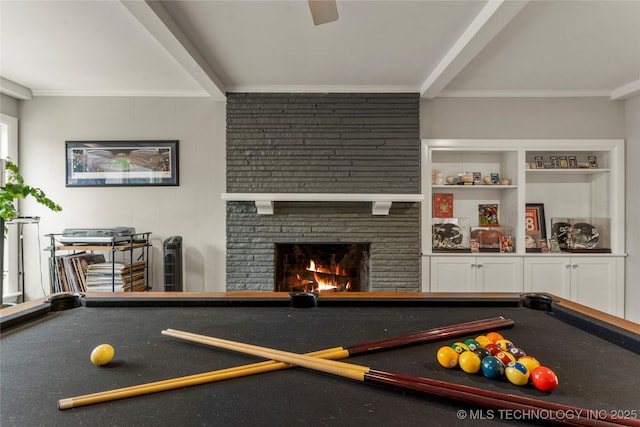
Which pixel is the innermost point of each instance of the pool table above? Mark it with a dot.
(45, 351)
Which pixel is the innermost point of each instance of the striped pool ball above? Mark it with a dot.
(506, 357)
(472, 344)
(459, 347)
(516, 373)
(504, 344)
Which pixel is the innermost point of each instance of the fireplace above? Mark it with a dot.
(322, 267)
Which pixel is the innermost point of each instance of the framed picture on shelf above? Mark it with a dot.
(443, 205)
(564, 163)
(121, 163)
(593, 162)
(539, 162)
(488, 215)
(573, 162)
(535, 225)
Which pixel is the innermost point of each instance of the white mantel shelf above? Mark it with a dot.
(380, 203)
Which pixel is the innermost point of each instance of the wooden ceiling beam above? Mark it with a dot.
(153, 16)
(492, 19)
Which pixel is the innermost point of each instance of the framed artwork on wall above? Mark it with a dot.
(121, 163)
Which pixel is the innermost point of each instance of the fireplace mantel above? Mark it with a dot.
(380, 203)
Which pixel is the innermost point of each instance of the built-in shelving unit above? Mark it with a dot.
(589, 191)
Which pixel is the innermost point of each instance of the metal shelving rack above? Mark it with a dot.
(116, 244)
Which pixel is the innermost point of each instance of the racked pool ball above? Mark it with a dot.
(517, 373)
(517, 352)
(482, 352)
(472, 344)
(483, 340)
(530, 362)
(494, 349)
(447, 357)
(544, 379)
(469, 362)
(459, 347)
(494, 336)
(504, 344)
(102, 354)
(492, 367)
(506, 357)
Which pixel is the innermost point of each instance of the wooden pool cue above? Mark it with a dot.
(555, 413)
(429, 335)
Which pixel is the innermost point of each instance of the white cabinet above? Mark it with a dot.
(590, 280)
(584, 191)
(476, 274)
(548, 274)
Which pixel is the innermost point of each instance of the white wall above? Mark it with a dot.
(193, 210)
(632, 307)
(518, 118)
(8, 105)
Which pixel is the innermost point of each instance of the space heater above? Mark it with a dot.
(173, 264)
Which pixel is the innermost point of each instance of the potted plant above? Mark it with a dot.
(15, 189)
(12, 190)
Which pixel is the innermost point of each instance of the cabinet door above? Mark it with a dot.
(499, 274)
(594, 283)
(453, 274)
(548, 274)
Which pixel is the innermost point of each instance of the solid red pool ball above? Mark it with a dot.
(544, 379)
(494, 349)
(469, 362)
(447, 357)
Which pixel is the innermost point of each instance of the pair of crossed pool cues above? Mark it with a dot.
(325, 361)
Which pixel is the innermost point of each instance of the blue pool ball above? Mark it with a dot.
(517, 373)
(492, 367)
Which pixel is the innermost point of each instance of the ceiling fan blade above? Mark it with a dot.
(323, 11)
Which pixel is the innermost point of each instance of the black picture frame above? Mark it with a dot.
(121, 163)
(535, 220)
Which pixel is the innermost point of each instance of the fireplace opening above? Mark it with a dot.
(322, 267)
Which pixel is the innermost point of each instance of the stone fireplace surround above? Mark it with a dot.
(323, 143)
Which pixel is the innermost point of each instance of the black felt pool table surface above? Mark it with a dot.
(47, 359)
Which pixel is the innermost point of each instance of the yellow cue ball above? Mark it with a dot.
(102, 354)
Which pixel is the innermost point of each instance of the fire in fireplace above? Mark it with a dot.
(322, 267)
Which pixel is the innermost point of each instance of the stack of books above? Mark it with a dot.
(71, 271)
(115, 277)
